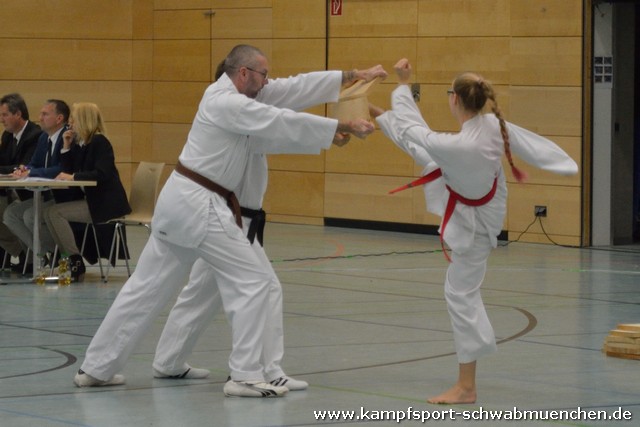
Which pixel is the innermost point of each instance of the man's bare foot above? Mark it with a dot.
(455, 394)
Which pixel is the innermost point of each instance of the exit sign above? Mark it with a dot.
(336, 7)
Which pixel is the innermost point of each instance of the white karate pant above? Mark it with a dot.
(472, 332)
(198, 303)
(239, 276)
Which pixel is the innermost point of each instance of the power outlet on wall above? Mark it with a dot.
(540, 210)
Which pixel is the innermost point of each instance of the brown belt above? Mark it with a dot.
(229, 196)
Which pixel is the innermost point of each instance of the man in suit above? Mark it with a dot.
(45, 163)
(17, 145)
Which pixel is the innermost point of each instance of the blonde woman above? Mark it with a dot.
(87, 155)
(469, 191)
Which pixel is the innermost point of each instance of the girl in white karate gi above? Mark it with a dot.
(470, 163)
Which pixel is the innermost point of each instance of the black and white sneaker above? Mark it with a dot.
(190, 373)
(82, 379)
(252, 389)
(291, 383)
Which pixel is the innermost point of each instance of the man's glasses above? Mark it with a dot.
(450, 92)
(264, 74)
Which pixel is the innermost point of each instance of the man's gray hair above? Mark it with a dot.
(242, 55)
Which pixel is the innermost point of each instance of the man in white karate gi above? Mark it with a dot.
(197, 217)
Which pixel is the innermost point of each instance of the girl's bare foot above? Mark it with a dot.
(374, 110)
(455, 394)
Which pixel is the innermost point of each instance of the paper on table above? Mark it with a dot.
(36, 178)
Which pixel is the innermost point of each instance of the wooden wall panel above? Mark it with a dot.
(439, 18)
(176, 102)
(67, 19)
(295, 192)
(182, 60)
(366, 197)
(242, 23)
(293, 56)
(546, 61)
(113, 98)
(211, 4)
(563, 212)
(168, 140)
(142, 101)
(142, 19)
(185, 4)
(142, 60)
(69, 60)
(299, 19)
(547, 110)
(381, 18)
(346, 54)
(546, 18)
(298, 162)
(142, 142)
(119, 134)
(375, 155)
(181, 25)
(441, 59)
(295, 219)
(243, 4)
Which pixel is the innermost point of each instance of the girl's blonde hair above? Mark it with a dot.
(473, 92)
(87, 120)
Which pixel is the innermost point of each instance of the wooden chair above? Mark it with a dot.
(144, 193)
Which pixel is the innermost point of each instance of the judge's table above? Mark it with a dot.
(37, 186)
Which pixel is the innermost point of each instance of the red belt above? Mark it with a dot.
(431, 176)
(451, 203)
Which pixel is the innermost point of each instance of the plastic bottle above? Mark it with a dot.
(64, 271)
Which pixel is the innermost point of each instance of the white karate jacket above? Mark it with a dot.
(470, 161)
(228, 128)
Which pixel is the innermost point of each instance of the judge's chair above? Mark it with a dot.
(144, 192)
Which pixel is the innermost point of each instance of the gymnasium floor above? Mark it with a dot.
(366, 325)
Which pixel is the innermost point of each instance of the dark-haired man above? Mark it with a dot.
(17, 145)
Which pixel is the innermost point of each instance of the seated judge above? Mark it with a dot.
(87, 155)
(18, 143)
(45, 163)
